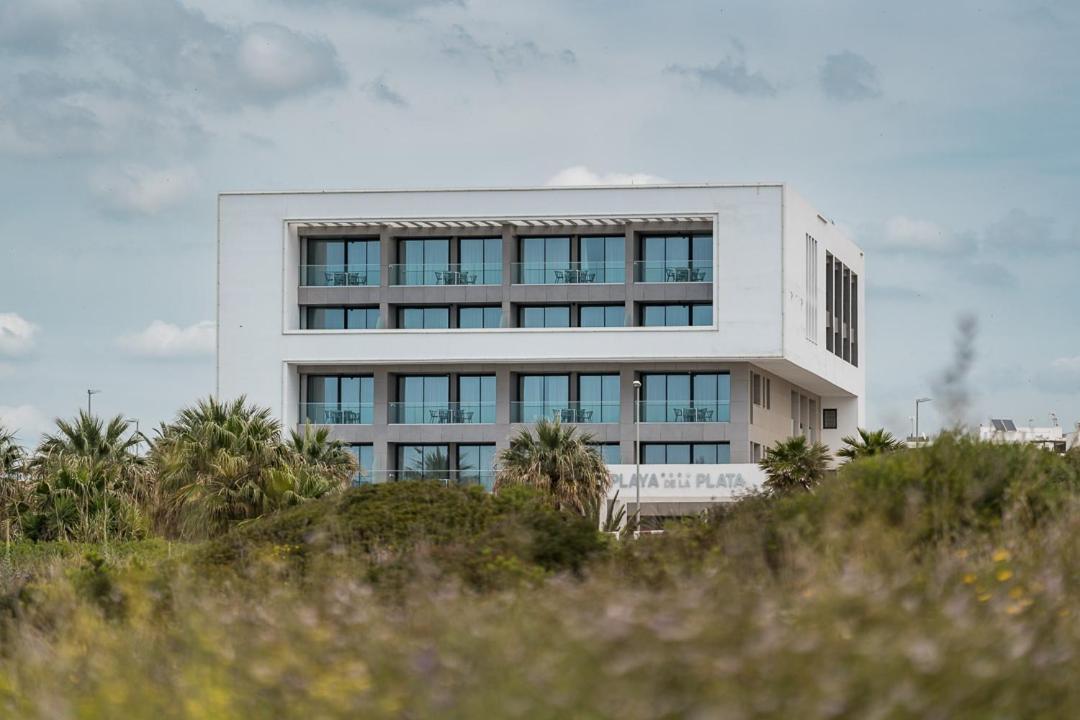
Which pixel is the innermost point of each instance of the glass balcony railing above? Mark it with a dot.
(337, 413)
(446, 274)
(685, 411)
(568, 412)
(442, 413)
(339, 275)
(569, 273)
(482, 478)
(670, 271)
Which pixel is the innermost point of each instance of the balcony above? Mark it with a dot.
(668, 271)
(685, 411)
(337, 413)
(564, 411)
(481, 478)
(442, 413)
(445, 274)
(569, 273)
(339, 275)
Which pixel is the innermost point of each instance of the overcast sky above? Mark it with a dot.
(944, 136)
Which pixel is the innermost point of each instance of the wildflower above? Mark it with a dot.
(983, 597)
(1000, 555)
(1003, 574)
(1016, 592)
(969, 578)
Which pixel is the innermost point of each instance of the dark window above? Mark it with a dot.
(828, 418)
(417, 318)
(480, 317)
(676, 315)
(676, 258)
(340, 318)
(339, 400)
(545, 316)
(602, 315)
(341, 262)
(365, 462)
(417, 462)
(609, 452)
(686, 453)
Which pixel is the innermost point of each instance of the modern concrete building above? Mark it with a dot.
(424, 326)
(1052, 437)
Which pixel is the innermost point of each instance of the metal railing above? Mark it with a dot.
(337, 413)
(446, 274)
(663, 271)
(442, 413)
(526, 411)
(339, 275)
(685, 411)
(569, 273)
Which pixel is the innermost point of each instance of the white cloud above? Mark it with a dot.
(142, 190)
(904, 233)
(165, 340)
(26, 421)
(16, 334)
(581, 175)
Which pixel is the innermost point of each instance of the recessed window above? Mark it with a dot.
(609, 452)
(480, 317)
(676, 258)
(602, 315)
(365, 463)
(334, 262)
(422, 261)
(544, 316)
(341, 318)
(339, 400)
(685, 453)
(423, 318)
(686, 397)
(676, 315)
(828, 418)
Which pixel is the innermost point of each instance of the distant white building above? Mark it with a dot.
(1051, 438)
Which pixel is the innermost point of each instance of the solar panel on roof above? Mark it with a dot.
(1009, 425)
(998, 425)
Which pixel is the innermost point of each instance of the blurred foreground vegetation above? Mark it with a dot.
(936, 583)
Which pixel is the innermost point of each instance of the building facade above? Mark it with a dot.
(424, 327)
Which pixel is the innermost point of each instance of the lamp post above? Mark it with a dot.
(918, 402)
(138, 435)
(637, 457)
(90, 393)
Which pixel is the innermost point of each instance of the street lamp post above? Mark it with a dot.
(918, 402)
(637, 457)
(90, 393)
(138, 435)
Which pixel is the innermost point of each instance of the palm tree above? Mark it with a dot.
(869, 443)
(316, 451)
(794, 464)
(14, 490)
(558, 461)
(11, 454)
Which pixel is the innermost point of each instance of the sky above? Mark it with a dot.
(942, 136)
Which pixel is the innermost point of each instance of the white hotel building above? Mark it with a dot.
(425, 326)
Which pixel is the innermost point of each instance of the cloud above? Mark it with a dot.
(1060, 376)
(460, 44)
(26, 421)
(849, 77)
(17, 335)
(1019, 232)
(388, 8)
(381, 91)
(165, 340)
(731, 74)
(135, 190)
(581, 175)
(117, 76)
(904, 234)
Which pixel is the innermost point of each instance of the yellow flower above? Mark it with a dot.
(1003, 574)
(1001, 555)
(1014, 609)
(969, 578)
(983, 597)
(1016, 592)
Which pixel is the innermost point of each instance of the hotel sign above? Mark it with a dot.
(686, 482)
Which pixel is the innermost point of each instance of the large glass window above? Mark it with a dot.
(422, 399)
(609, 452)
(602, 315)
(341, 262)
(340, 318)
(339, 400)
(545, 316)
(419, 318)
(603, 259)
(542, 397)
(476, 465)
(481, 260)
(480, 317)
(676, 315)
(686, 397)
(685, 453)
(542, 258)
(422, 261)
(423, 462)
(365, 463)
(676, 258)
(598, 398)
(476, 398)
